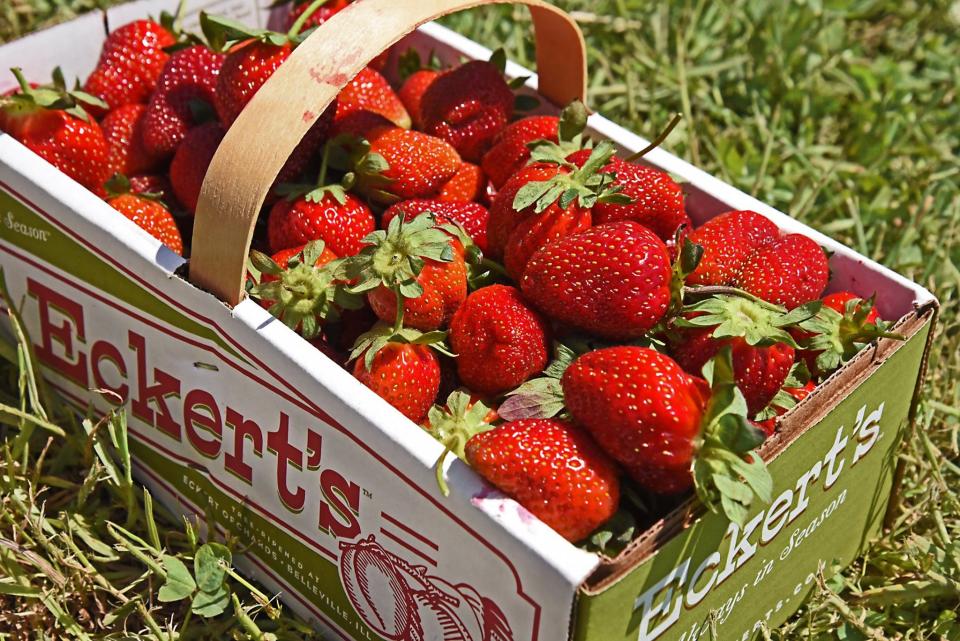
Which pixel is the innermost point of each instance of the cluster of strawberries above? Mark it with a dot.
(583, 335)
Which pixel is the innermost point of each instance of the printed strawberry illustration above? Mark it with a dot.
(321, 211)
(763, 349)
(553, 469)
(401, 367)
(413, 273)
(52, 122)
(190, 163)
(468, 106)
(668, 429)
(728, 241)
(844, 325)
(510, 150)
(614, 281)
(300, 287)
(149, 214)
(788, 271)
(472, 217)
(123, 130)
(370, 91)
(130, 63)
(499, 339)
(392, 163)
(249, 64)
(184, 97)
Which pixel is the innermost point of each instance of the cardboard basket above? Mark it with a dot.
(234, 415)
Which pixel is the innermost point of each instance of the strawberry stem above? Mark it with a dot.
(656, 142)
(303, 17)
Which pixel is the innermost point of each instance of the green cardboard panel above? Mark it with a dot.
(831, 488)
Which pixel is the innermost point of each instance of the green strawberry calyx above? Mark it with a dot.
(222, 32)
(371, 342)
(587, 185)
(394, 257)
(758, 323)
(453, 425)
(303, 296)
(784, 401)
(570, 138)
(410, 63)
(540, 397)
(364, 169)
(55, 96)
(728, 472)
(840, 336)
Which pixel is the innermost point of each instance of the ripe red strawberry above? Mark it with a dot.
(471, 216)
(157, 185)
(370, 91)
(728, 241)
(553, 469)
(188, 78)
(642, 408)
(406, 375)
(788, 271)
(657, 199)
(469, 183)
(412, 90)
(797, 394)
(667, 429)
(191, 161)
(499, 340)
(130, 63)
(411, 165)
(300, 286)
(318, 17)
(467, 107)
(123, 130)
(844, 325)
(152, 217)
(510, 151)
(341, 225)
(65, 137)
(539, 230)
(613, 280)
(414, 273)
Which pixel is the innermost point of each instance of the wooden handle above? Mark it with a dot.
(282, 111)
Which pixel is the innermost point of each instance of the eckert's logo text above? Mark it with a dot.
(195, 416)
(689, 583)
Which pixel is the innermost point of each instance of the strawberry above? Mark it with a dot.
(762, 347)
(539, 230)
(247, 67)
(188, 80)
(844, 325)
(793, 395)
(412, 90)
(155, 185)
(130, 63)
(613, 280)
(406, 375)
(370, 91)
(299, 287)
(788, 271)
(399, 164)
(657, 199)
(320, 211)
(123, 130)
(666, 428)
(553, 469)
(322, 13)
(469, 183)
(467, 107)
(52, 123)
(471, 216)
(500, 341)
(728, 241)
(147, 213)
(510, 150)
(190, 163)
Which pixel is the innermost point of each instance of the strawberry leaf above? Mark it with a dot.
(537, 398)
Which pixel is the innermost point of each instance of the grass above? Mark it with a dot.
(843, 114)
